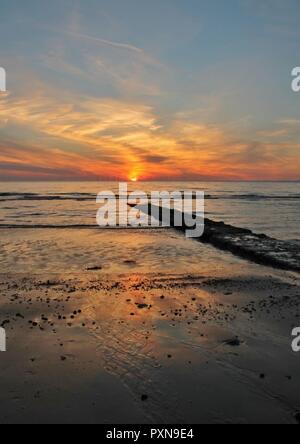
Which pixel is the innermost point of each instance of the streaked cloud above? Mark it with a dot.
(165, 91)
(88, 137)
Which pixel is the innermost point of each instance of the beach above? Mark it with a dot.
(143, 327)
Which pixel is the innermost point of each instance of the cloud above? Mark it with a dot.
(101, 41)
(155, 159)
(79, 136)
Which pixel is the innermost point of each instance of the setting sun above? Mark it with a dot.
(134, 179)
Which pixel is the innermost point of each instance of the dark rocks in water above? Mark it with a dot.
(258, 248)
(262, 376)
(97, 268)
(144, 398)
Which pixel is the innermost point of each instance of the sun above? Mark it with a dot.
(134, 179)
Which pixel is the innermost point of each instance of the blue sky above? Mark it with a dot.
(188, 89)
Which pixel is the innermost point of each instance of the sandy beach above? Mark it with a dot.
(119, 335)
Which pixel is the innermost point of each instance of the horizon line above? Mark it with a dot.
(150, 180)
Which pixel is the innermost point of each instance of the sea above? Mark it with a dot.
(271, 208)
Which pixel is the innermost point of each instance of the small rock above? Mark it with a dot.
(18, 315)
(233, 342)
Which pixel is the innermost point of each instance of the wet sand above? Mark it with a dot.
(126, 336)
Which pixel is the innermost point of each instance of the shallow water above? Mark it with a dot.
(269, 208)
(134, 251)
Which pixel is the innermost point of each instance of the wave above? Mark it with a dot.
(74, 226)
(81, 197)
(258, 197)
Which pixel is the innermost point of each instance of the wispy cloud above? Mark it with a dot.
(101, 41)
(86, 137)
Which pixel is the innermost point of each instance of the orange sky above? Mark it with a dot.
(80, 137)
(104, 93)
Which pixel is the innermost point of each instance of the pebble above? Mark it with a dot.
(233, 342)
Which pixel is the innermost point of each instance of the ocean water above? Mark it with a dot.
(269, 208)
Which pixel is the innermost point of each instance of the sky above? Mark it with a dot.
(149, 90)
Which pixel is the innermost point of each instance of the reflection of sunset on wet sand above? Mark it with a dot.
(141, 327)
(170, 348)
